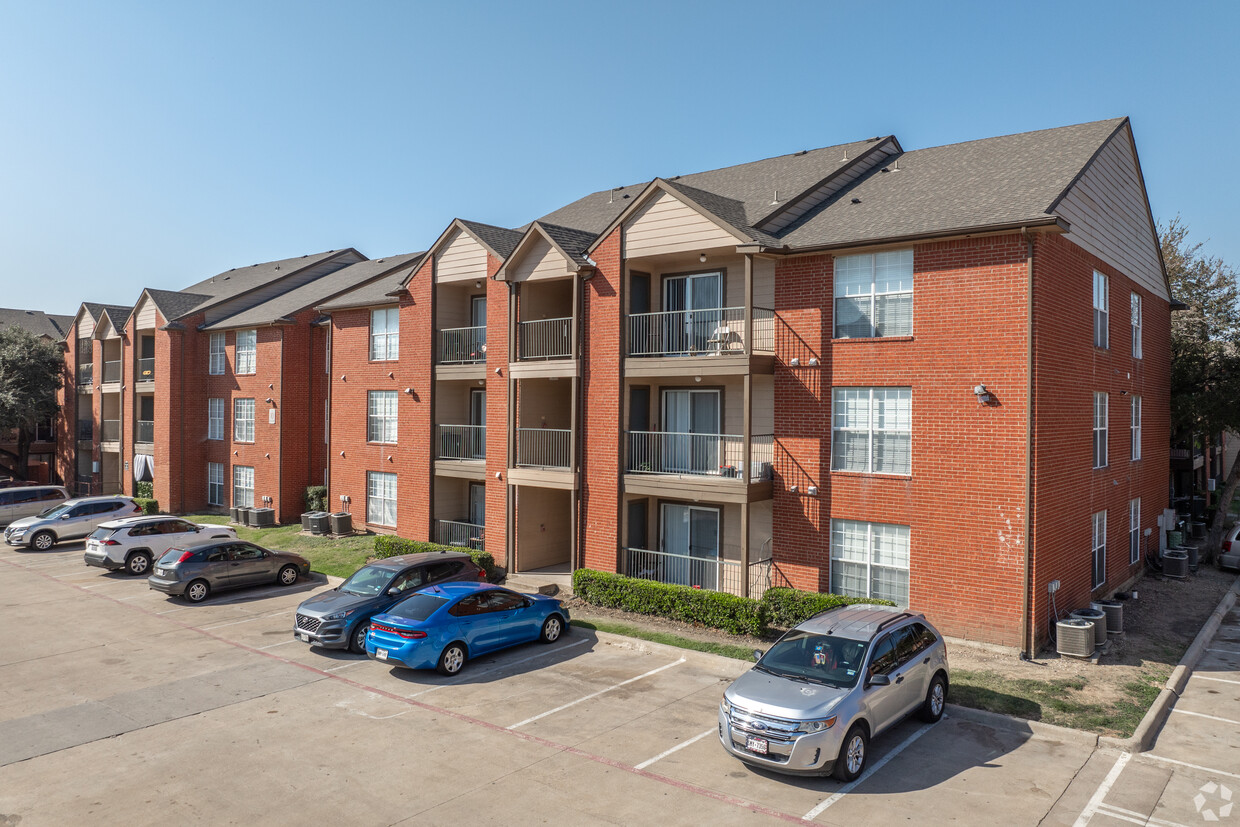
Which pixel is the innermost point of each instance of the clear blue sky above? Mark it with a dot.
(155, 144)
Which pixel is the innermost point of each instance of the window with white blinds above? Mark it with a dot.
(243, 486)
(1102, 311)
(247, 351)
(384, 334)
(872, 430)
(215, 419)
(1134, 531)
(380, 498)
(874, 295)
(243, 420)
(870, 560)
(215, 483)
(215, 360)
(1100, 550)
(1136, 325)
(1100, 430)
(1134, 428)
(381, 416)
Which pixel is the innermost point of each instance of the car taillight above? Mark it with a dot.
(482, 575)
(1226, 546)
(407, 635)
(108, 543)
(137, 509)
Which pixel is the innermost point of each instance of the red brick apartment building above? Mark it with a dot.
(938, 376)
(41, 442)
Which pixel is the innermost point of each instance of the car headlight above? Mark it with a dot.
(817, 726)
(339, 615)
(725, 705)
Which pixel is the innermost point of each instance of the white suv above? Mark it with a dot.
(132, 543)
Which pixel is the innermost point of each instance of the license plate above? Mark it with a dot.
(381, 654)
(304, 637)
(160, 572)
(758, 745)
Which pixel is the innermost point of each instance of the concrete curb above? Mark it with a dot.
(996, 720)
(1143, 738)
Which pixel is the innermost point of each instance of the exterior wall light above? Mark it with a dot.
(794, 362)
(983, 395)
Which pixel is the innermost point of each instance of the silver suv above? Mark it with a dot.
(68, 521)
(811, 704)
(134, 543)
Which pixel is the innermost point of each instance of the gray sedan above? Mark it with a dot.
(193, 573)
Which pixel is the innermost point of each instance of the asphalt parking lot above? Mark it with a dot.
(123, 705)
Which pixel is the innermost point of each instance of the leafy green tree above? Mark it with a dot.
(1205, 352)
(30, 375)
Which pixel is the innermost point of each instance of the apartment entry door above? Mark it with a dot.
(478, 418)
(691, 426)
(693, 310)
(692, 533)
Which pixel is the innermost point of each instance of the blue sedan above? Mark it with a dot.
(443, 626)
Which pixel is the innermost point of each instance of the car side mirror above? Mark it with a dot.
(65, 516)
(393, 591)
(880, 680)
(757, 655)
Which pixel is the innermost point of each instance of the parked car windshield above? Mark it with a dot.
(809, 656)
(55, 511)
(417, 607)
(367, 581)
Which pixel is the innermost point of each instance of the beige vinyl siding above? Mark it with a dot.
(764, 283)
(145, 317)
(86, 325)
(453, 304)
(1107, 212)
(545, 539)
(452, 403)
(667, 225)
(104, 329)
(461, 259)
(540, 261)
(451, 499)
(762, 388)
(280, 286)
(761, 519)
(877, 156)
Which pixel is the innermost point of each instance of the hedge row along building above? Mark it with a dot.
(938, 376)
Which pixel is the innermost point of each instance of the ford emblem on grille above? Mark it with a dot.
(759, 725)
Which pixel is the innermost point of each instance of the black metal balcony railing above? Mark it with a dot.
(763, 330)
(145, 432)
(111, 430)
(85, 374)
(721, 455)
(462, 345)
(84, 486)
(545, 339)
(112, 371)
(543, 447)
(146, 370)
(687, 332)
(460, 534)
(85, 430)
(461, 441)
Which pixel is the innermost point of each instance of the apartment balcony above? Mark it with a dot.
(144, 434)
(85, 375)
(85, 431)
(112, 372)
(146, 370)
(544, 448)
(545, 339)
(459, 534)
(461, 442)
(1187, 459)
(111, 431)
(84, 486)
(663, 463)
(712, 338)
(463, 346)
(721, 570)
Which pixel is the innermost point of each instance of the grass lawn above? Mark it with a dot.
(728, 650)
(339, 558)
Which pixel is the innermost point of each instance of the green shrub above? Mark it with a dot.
(387, 545)
(146, 490)
(718, 610)
(147, 505)
(788, 607)
(316, 498)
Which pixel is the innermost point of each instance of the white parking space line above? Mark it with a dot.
(1203, 715)
(852, 785)
(1105, 787)
(274, 645)
(1134, 817)
(347, 665)
(1220, 680)
(1149, 756)
(473, 673)
(594, 695)
(246, 620)
(676, 748)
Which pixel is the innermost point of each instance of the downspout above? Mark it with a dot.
(280, 430)
(181, 454)
(327, 413)
(1027, 626)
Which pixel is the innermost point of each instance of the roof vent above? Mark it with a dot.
(884, 169)
(802, 152)
(875, 138)
(856, 200)
(775, 199)
(845, 158)
(626, 195)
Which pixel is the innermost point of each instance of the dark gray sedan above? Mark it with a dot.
(193, 573)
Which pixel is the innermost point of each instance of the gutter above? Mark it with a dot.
(1050, 223)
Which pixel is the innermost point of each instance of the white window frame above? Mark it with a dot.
(1134, 531)
(243, 420)
(1102, 310)
(839, 396)
(381, 413)
(1134, 428)
(1135, 304)
(1101, 415)
(872, 261)
(381, 498)
(215, 483)
(840, 528)
(243, 486)
(247, 352)
(385, 334)
(1098, 555)
(215, 418)
(215, 357)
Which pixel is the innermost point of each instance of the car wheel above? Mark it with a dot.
(138, 563)
(552, 628)
(357, 640)
(43, 540)
(288, 575)
(853, 752)
(197, 591)
(451, 659)
(936, 700)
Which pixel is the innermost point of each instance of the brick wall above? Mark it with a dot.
(601, 415)
(65, 422)
(497, 383)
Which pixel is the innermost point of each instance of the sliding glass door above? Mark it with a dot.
(691, 533)
(691, 431)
